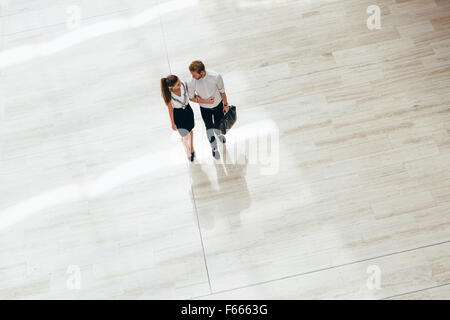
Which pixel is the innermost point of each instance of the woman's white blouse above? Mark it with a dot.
(180, 101)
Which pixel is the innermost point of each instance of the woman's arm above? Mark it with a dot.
(170, 108)
(196, 99)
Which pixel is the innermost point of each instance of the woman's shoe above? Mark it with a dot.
(192, 156)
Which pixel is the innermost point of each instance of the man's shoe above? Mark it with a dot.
(222, 138)
(216, 154)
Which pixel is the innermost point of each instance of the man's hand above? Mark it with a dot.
(174, 127)
(226, 108)
(205, 101)
(209, 101)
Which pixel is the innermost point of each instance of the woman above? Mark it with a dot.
(175, 95)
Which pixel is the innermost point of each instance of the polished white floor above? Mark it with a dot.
(351, 199)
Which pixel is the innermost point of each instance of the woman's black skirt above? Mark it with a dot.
(184, 119)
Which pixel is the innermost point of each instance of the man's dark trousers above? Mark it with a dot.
(212, 118)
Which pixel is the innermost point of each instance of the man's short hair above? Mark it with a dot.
(197, 66)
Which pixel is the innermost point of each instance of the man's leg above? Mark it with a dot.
(207, 115)
(218, 115)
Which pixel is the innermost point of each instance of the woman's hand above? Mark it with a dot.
(174, 127)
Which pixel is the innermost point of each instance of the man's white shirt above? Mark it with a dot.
(211, 85)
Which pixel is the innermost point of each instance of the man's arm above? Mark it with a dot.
(197, 99)
(191, 92)
(226, 107)
(224, 98)
(221, 88)
(194, 97)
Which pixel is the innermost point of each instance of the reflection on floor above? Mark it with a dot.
(334, 183)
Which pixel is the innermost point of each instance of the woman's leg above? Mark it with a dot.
(186, 142)
(189, 144)
(192, 140)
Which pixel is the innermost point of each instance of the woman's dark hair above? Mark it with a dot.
(170, 81)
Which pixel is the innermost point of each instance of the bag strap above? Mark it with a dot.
(185, 96)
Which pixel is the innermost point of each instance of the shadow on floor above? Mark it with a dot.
(225, 199)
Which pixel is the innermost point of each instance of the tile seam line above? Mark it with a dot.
(322, 269)
(164, 40)
(201, 239)
(415, 291)
(63, 23)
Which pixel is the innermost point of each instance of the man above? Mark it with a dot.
(208, 85)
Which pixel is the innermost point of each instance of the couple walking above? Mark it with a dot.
(205, 88)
